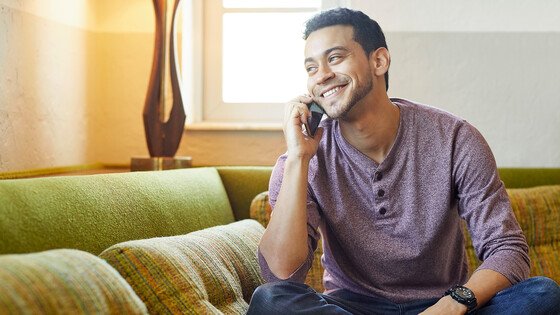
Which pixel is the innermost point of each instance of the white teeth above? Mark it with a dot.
(330, 92)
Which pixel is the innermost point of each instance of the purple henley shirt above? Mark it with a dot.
(394, 229)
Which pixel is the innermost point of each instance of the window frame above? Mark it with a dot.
(202, 71)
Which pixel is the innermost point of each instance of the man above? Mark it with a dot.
(387, 182)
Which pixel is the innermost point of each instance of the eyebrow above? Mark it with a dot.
(327, 52)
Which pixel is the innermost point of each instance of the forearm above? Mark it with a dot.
(284, 243)
(485, 284)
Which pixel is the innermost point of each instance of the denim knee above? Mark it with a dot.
(546, 293)
(274, 296)
(258, 299)
(546, 286)
(262, 293)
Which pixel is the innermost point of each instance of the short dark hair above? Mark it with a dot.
(367, 32)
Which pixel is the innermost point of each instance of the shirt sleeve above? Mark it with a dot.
(484, 204)
(312, 229)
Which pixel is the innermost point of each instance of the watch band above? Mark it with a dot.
(464, 296)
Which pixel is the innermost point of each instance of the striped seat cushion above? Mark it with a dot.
(64, 281)
(537, 210)
(211, 271)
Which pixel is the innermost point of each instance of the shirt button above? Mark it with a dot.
(381, 193)
(379, 176)
(382, 211)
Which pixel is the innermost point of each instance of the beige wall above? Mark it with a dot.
(43, 81)
(73, 80)
(74, 73)
(494, 63)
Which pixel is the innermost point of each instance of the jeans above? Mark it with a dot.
(537, 295)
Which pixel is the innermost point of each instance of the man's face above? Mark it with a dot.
(339, 73)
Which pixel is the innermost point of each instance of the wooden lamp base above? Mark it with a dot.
(146, 163)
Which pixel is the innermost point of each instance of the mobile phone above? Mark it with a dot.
(316, 116)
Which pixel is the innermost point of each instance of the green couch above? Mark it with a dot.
(178, 241)
(63, 238)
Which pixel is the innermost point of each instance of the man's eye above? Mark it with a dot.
(311, 69)
(334, 58)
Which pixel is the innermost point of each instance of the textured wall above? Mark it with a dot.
(43, 78)
(73, 82)
(494, 63)
(505, 84)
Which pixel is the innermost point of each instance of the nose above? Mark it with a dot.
(324, 74)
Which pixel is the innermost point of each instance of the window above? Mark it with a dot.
(250, 59)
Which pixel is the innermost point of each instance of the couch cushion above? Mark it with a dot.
(537, 210)
(64, 281)
(94, 212)
(211, 271)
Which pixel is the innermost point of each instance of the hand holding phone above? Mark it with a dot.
(316, 116)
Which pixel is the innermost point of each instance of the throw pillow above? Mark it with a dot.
(64, 281)
(211, 271)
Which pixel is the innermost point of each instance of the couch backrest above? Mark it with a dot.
(94, 212)
(529, 177)
(242, 184)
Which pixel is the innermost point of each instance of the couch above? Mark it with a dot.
(179, 241)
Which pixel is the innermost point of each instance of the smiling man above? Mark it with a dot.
(387, 182)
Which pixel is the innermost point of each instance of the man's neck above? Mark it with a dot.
(372, 128)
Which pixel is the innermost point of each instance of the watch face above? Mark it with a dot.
(464, 293)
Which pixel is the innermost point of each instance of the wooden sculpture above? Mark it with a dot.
(163, 138)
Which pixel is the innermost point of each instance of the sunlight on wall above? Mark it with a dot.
(42, 86)
(69, 12)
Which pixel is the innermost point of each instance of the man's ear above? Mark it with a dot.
(380, 61)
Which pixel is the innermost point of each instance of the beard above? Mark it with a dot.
(361, 91)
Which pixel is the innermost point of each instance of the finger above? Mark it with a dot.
(302, 99)
(297, 110)
(319, 133)
(303, 112)
(305, 99)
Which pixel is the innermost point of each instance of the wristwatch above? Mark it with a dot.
(464, 296)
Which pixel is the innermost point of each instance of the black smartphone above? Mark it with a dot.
(316, 116)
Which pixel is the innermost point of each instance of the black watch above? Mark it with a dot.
(464, 296)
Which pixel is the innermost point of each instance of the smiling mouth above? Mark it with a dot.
(332, 91)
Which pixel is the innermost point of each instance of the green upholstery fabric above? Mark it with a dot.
(94, 212)
(242, 183)
(529, 177)
(212, 271)
(64, 281)
(538, 211)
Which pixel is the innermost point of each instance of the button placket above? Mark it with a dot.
(380, 194)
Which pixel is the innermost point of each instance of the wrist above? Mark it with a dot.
(464, 296)
(454, 306)
(297, 161)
